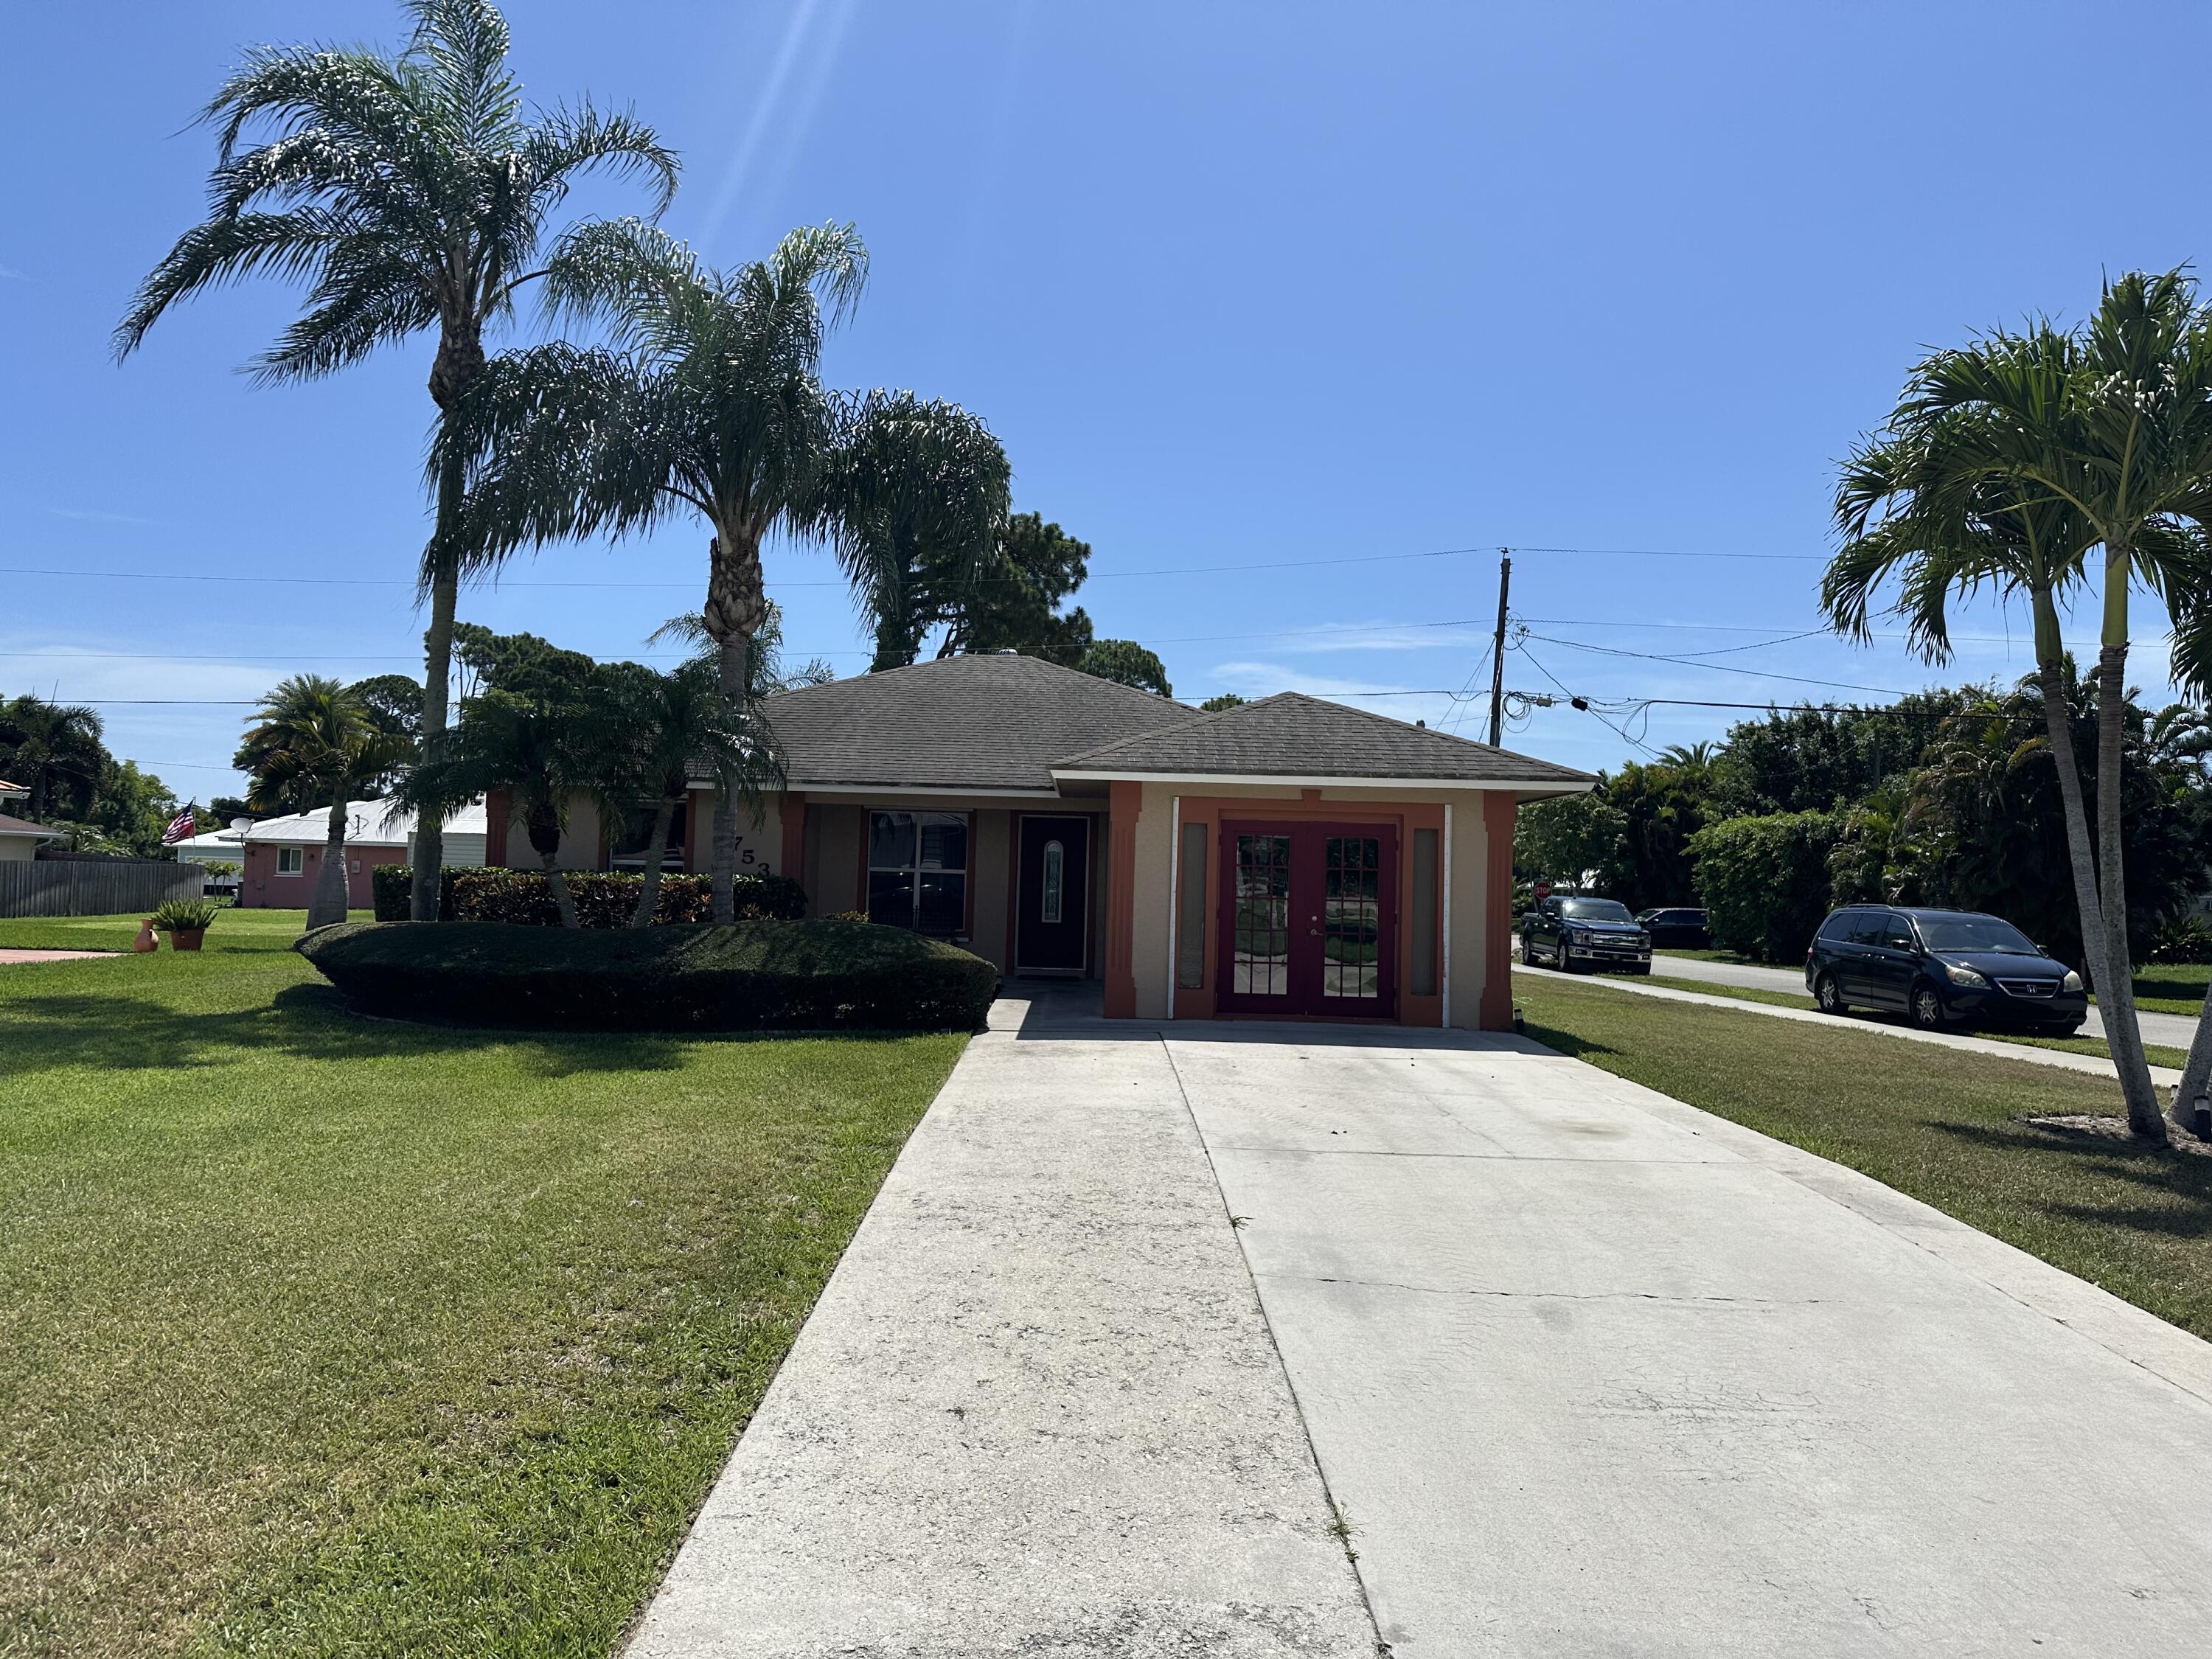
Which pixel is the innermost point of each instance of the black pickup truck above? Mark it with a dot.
(1574, 933)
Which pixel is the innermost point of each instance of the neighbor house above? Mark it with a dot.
(1289, 857)
(284, 856)
(20, 839)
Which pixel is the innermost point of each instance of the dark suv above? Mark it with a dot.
(1571, 933)
(1679, 928)
(1940, 967)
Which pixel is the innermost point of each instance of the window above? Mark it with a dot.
(1594, 909)
(1839, 927)
(1190, 898)
(290, 860)
(1967, 932)
(1056, 867)
(918, 870)
(631, 833)
(1425, 913)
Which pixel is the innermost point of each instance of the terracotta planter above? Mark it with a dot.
(147, 940)
(184, 938)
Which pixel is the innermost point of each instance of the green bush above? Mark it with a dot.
(755, 975)
(391, 887)
(603, 898)
(2185, 939)
(1764, 881)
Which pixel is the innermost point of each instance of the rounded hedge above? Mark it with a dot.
(751, 976)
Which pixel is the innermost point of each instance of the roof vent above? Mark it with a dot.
(1007, 651)
(1423, 725)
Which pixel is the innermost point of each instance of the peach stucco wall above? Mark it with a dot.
(262, 889)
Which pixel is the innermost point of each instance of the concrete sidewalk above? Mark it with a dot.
(2167, 1077)
(2167, 1030)
(1037, 1411)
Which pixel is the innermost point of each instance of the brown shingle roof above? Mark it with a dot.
(1292, 735)
(15, 826)
(959, 723)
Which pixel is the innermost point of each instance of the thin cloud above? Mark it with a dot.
(94, 515)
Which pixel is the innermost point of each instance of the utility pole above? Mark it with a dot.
(1498, 650)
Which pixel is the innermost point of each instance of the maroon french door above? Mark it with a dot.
(1308, 919)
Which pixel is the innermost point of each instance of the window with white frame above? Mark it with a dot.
(918, 870)
(290, 860)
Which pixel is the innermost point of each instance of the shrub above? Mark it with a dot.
(607, 900)
(391, 887)
(183, 917)
(1764, 881)
(2185, 939)
(756, 975)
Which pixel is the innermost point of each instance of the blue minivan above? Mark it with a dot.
(1940, 967)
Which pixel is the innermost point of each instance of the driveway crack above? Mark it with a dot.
(1557, 1296)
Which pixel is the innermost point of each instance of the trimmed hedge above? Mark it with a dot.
(753, 977)
(603, 898)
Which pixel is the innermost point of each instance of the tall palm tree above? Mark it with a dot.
(678, 725)
(53, 749)
(411, 192)
(712, 407)
(2121, 434)
(541, 757)
(313, 739)
(1912, 506)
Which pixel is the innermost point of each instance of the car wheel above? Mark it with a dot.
(1830, 995)
(1927, 1009)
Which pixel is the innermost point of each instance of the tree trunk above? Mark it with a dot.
(328, 904)
(656, 850)
(2058, 722)
(556, 878)
(2115, 996)
(459, 365)
(2196, 1073)
(429, 852)
(736, 605)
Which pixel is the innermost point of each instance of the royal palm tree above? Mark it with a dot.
(53, 749)
(677, 726)
(313, 739)
(711, 407)
(2120, 432)
(412, 193)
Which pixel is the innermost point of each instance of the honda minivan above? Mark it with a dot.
(1940, 967)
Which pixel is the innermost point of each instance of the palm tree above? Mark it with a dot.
(2120, 432)
(712, 408)
(541, 757)
(678, 725)
(412, 192)
(922, 491)
(313, 739)
(50, 748)
(1912, 506)
(2189, 595)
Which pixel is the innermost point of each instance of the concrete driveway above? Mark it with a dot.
(2171, 1030)
(1583, 1370)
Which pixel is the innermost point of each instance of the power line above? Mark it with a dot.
(1717, 668)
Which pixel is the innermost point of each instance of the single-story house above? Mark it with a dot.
(223, 846)
(1287, 858)
(284, 856)
(19, 838)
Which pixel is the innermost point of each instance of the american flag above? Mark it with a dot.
(181, 829)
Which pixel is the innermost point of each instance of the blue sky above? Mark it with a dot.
(1265, 301)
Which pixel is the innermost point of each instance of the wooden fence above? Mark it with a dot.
(84, 887)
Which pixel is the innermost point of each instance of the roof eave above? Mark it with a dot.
(1552, 785)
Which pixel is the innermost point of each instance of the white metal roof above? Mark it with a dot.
(369, 823)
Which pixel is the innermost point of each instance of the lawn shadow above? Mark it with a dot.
(2184, 1181)
(304, 1022)
(1575, 1047)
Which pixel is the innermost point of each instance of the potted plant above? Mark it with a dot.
(186, 921)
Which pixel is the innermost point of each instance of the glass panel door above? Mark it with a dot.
(1352, 919)
(1260, 946)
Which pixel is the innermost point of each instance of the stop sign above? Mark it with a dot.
(1542, 890)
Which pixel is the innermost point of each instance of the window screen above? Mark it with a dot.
(1190, 910)
(1424, 918)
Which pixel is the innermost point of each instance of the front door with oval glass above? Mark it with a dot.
(1052, 889)
(1308, 919)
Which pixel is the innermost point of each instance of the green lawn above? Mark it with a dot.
(2073, 1045)
(2172, 987)
(325, 1336)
